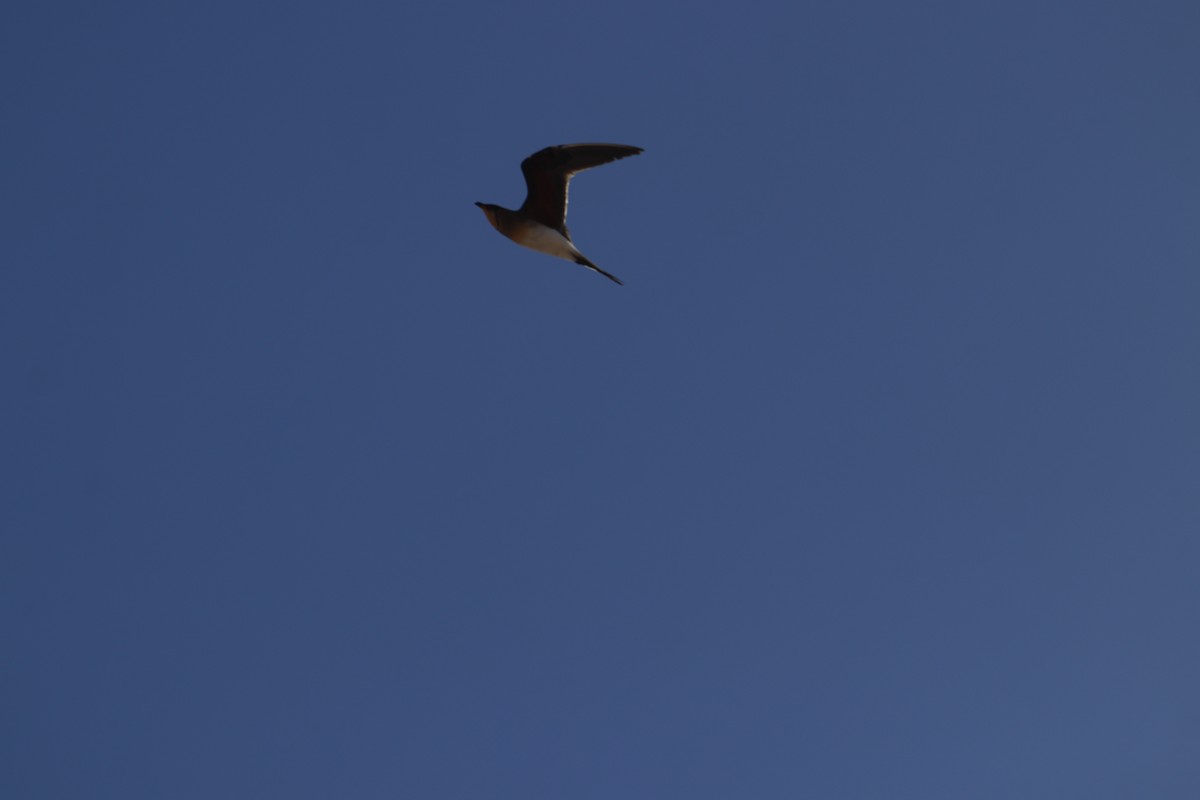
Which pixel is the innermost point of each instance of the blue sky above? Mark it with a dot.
(878, 478)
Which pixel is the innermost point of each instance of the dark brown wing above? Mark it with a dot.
(549, 170)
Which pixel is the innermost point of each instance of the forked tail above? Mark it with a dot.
(582, 259)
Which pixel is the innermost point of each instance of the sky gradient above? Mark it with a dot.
(879, 478)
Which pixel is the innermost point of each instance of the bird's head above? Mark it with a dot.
(489, 211)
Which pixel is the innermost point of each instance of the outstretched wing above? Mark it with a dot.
(549, 170)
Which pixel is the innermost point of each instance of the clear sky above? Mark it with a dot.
(879, 478)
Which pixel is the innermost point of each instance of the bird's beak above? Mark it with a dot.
(490, 213)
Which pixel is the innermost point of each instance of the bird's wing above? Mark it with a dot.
(549, 170)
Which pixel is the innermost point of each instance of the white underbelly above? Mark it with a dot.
(547, 240)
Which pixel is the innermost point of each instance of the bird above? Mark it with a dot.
(541, 221)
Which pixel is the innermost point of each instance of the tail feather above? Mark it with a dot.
(583, 260)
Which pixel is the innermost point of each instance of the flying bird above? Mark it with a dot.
(541, 221)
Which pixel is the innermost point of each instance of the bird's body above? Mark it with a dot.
(541, 221)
